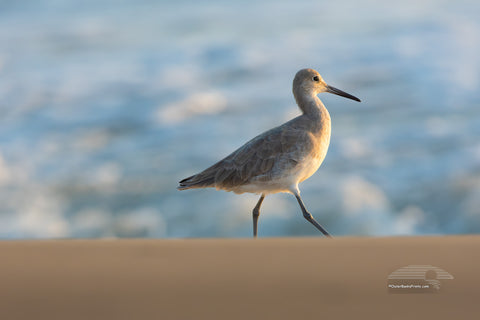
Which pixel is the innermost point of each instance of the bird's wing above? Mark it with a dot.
(263, 157)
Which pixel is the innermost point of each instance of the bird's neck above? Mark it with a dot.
(312, 107)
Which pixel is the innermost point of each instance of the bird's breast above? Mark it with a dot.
(320, 140)
(312, 162)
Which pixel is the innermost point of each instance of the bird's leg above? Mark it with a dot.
(256, 213)
(307, 215)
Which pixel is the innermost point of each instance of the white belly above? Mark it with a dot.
(285, 182)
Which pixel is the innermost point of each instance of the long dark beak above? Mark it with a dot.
(341, 93)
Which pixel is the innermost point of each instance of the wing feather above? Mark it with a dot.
(263, 157)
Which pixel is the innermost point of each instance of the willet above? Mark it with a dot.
(278, 159)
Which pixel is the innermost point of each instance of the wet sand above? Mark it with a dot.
(281, 278)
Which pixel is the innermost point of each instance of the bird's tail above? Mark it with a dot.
(197, 181)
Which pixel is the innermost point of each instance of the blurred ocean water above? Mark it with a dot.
(106, 105)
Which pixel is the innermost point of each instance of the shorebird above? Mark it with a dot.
(280, 158)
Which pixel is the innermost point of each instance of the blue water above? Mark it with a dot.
(106, 105)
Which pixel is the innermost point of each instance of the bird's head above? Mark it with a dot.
(310, 82)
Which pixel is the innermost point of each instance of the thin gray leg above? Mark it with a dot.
(307, 215)
(256, 213)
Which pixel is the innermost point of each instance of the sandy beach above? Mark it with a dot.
(276, 278)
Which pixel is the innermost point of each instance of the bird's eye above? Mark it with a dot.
(316, 78)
